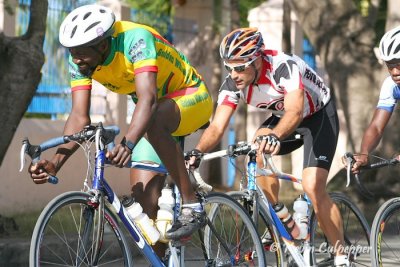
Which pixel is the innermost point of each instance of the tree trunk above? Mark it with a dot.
(21, 61)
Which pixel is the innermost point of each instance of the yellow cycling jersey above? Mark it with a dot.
(137, 48)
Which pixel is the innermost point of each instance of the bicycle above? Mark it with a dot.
(315, 249)
(385, 250)
(83, 228)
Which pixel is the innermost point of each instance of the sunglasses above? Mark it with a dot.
(393, 65)
(238, 68)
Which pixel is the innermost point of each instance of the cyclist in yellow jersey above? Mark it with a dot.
(171, 98)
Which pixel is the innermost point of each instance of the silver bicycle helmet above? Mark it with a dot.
(389, 46)
(86, 25)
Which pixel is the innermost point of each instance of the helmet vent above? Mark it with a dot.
(74, 18)
(86, 15)
(394, 34)
(73, 31)
(397, 49)
(92, 25)
(390, 47)
(102, 11)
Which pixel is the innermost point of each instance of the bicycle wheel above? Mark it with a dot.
(385, 235)
(266, 229)
(65, 235)
(356, 235)
(228, 239)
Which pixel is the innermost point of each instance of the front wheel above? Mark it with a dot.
(228, 239)
(265, 227)
(66, 234)
(356, 235)
(385, 235)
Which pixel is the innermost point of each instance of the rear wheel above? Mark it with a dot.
(66, 234)
(356, 235)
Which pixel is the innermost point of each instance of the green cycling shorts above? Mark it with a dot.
(144, 151)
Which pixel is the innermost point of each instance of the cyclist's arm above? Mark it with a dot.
(371, 137)
(213, 134)
(146, 91)
(375, 130)
(294, 105)
(77, 119)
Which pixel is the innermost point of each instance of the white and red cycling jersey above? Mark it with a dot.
(281, 74)
(390, 93)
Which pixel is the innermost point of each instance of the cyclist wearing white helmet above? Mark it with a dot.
(389, 49)
(170, 96)
(300, 103)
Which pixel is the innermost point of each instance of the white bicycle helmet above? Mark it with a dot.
(86, 25)
(389, 46)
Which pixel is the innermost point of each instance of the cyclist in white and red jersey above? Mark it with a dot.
(170, 95)
(300, 102)
(389, 49)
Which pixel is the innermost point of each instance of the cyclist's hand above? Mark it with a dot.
(193, 158)
(360, 160)
(120, 155)
(41, 170)
(269, 144)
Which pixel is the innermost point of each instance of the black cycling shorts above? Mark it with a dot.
(320, 135)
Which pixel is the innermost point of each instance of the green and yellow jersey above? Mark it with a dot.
(137, 48)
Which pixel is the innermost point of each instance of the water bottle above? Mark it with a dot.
(300, 215)
(146, 225)
(287, 219)
(165, 215)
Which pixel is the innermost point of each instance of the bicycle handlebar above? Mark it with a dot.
(241, 148)
(383, 163)
(108, 135)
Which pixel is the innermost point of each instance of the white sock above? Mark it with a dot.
(341, 260)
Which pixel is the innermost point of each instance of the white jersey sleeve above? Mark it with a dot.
(389, 95)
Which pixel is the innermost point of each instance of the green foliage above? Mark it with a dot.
(244, 7)
(157, 7)
(363, 7)
(156, 14)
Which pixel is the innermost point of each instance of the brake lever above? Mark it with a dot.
(22, 156)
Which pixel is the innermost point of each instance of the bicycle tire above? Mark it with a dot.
(228, 221)
(272, 248)
(356, 234)
(64, 230)
(385, 249)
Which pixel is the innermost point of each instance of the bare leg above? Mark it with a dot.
(270, 187)
(328, 215)
(146, 189)
(170, 153)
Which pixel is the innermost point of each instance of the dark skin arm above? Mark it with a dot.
(214, 132)
(146, 91)
(78, 118)
(371, 137)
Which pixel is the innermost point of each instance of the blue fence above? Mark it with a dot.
(309, 54)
